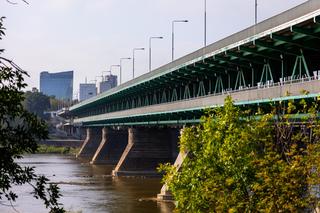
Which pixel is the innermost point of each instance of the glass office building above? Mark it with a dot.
(58, 84)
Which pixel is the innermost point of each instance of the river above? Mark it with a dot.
(89, 188)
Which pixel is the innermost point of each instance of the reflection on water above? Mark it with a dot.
(90, 188)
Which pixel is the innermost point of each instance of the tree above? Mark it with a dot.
(19, 133)
(36, 102)
(242, 161)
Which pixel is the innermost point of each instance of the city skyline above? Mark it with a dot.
(90, 37)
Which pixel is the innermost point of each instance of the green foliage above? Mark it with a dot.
(238, 163)
(19, 133)
(36, 102)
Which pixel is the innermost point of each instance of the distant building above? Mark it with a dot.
(109, 82)
(58, 84)
(34, 89)
(87, 91)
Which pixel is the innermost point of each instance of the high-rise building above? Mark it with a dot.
(87, 91)
(58, 84)
(108, 82)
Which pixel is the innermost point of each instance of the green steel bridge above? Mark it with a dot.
(275, 60)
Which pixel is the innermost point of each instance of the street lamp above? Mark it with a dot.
(205, 23)
(175, 21)
(160, 37)
(121, 59)
(117, 65)
(134, 49)
(255, 11)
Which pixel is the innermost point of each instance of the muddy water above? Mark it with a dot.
(89, 189)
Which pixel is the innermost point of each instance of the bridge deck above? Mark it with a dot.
(143, 115)
(281, 48)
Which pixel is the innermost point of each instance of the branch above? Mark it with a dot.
(11, 205)
(14, 3)
(13, 64)
(10, 2)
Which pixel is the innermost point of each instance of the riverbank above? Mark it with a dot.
(74, 143)
(48, 149)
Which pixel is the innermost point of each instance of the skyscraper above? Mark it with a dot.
(58, 84)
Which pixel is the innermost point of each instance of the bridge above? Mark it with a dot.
(136, 125)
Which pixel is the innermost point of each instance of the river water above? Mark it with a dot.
(89, 188)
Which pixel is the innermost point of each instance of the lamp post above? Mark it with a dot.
(255, 11)
(150, 39)
(121, 59)
(175, 21)
(116, 65)
(134, 49)
(205, 23)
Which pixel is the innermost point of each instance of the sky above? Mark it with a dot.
(88, 36)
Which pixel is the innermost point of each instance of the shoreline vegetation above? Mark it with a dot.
(238, 163)
(48, 149)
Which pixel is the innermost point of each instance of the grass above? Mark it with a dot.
(57, 150)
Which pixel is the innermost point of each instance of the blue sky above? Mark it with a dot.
(88, 36)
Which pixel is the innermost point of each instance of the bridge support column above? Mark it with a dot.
(165, 193)
(146, 149)
(111, 146)
(91, 143)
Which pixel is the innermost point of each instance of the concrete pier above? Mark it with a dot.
(146, 149)
(111, 146)
(91, 143)
(165, 194)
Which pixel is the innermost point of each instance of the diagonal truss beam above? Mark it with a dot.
(228, 61)
(256, 52)
(241, 57)
(270, 46)
(209, 68)
(211, 61)
(305, 31)
(289, 40)
(178, 75)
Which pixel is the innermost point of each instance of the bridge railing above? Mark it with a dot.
(285, 81)
(268, 84)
